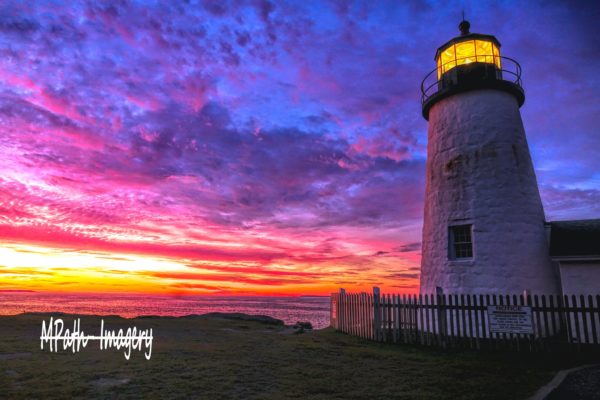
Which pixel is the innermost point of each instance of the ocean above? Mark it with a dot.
(288, 309)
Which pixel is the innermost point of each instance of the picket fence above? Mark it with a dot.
(462, 321)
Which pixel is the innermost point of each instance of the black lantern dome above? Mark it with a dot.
(468, 62)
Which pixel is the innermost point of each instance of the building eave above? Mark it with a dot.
(575, 259)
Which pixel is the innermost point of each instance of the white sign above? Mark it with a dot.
(510, 319)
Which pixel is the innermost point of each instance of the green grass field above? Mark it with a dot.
(203, 358)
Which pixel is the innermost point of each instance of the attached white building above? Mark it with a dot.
(575, 252)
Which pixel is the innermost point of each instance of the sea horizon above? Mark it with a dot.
(288, 308)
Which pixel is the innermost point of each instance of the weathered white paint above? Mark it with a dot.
(580, 277)
(479, 171)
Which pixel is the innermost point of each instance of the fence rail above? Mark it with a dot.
(546, 322)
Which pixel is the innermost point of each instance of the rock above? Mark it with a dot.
(264, 319)
(103, 383)
(303, 325)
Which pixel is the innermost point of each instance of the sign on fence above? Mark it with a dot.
(466, 321)
(510, 319)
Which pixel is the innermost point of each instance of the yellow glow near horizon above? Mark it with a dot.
(40, 268)
(17, 255)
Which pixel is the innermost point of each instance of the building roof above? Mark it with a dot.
(580, 238)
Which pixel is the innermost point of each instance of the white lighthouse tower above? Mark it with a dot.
(484, 222)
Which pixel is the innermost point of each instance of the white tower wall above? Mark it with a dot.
(479, 172)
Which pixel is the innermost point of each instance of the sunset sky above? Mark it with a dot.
(265, 148)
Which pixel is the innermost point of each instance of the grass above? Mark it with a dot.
(223, 359)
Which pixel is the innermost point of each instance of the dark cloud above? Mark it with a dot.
(404, 275)
(406, 248)
(256, 176)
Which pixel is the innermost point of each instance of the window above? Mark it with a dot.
(460, 242)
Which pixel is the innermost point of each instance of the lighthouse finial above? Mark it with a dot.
(464, 25)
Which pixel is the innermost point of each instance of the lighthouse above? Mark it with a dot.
(484, 225)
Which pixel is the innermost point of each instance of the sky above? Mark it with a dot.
(257, 147)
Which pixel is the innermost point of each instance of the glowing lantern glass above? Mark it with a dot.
(467, 62)
(466, 52)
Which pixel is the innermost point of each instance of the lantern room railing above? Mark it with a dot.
(510, 71)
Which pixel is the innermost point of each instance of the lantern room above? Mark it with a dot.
(466, 49)
(471, 49)
(470, 61)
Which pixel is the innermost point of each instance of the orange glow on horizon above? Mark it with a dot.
(52, 269)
